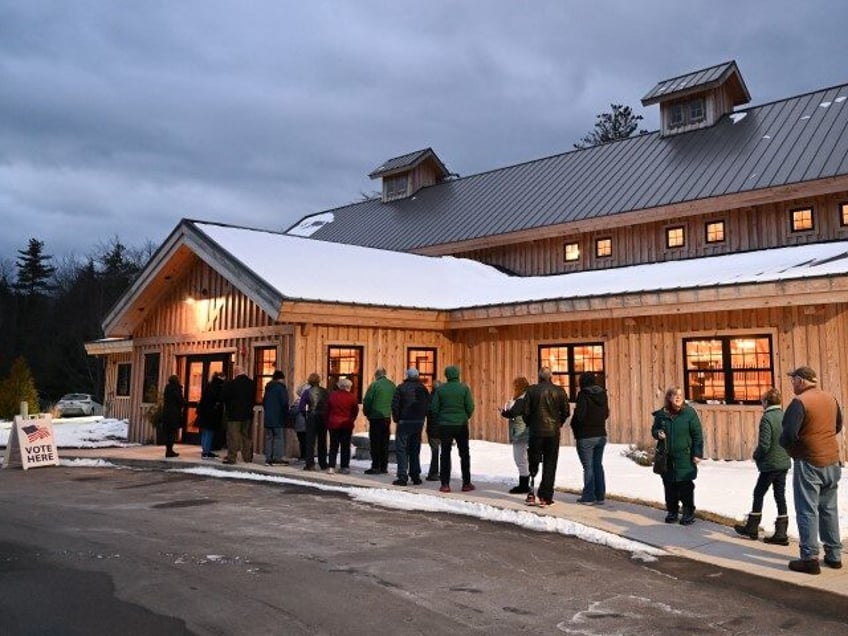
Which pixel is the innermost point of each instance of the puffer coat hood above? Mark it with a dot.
(452, 373)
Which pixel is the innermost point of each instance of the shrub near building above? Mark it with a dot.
(17, 387)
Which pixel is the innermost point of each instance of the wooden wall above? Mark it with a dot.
(644, 356)
(746, 229)
(119, 407)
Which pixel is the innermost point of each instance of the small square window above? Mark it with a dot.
(572, 252)
(801, 219)
(675, 237)
(603, 248)
(715, 232)
(696, 110)
(843, 213)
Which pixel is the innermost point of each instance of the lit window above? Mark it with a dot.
(264, 365)
(568, 361)
(843, 213)
(802, 219)
(728, 369)
(603, 247)
(345, 362)
(423, 359)
(122, 386)
(675, 237)
(572, 252)
(715, 232)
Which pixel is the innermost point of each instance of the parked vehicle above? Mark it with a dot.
(78, 404)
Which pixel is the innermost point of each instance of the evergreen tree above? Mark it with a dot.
(620, 123)
(18, 387)
(34, 270)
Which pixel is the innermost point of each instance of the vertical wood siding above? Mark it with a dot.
(749, 228)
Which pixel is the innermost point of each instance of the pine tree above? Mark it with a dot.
(18, 387)
(620, 123)
(34, 270)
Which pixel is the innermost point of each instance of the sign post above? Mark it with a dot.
(31, 443)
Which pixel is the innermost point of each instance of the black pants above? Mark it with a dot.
(546, 450)
(316, 435)
(340, 445)
(776, 479)
(170, 439)
(447, 435)
(378, 438)
(677, 493)
(301, 441)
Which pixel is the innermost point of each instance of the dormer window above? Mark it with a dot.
(687, 113)
(396, 187)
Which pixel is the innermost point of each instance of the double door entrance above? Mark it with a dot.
(198, 372)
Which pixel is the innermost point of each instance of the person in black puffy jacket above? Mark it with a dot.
(590, 433)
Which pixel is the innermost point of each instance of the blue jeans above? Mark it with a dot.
(207, 439)
(408, 448)
(274, 444)
(816, 512)
(590, 450)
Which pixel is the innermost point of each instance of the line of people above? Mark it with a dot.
(807, 432)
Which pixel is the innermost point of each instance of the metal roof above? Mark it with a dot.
(696, 81)
(803, 138)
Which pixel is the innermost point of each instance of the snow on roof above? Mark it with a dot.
(306, 269)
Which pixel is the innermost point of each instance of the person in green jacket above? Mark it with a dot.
(377, 407)
(677, 424)
(773, 462)
(453, 406)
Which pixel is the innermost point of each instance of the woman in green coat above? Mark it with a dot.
(677, 424)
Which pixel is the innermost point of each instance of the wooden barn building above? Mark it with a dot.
(711, 254)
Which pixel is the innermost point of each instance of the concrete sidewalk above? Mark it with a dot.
(704, 541)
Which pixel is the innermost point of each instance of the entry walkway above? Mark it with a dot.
(704, 541)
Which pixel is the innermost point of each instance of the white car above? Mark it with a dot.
(78, 404)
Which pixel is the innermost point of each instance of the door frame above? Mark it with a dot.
(209, 363)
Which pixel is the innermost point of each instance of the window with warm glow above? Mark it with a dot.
(715, 231)
(675, 237)
(843, 213)
(603, 247)
(345, 362)
(802, 219)
(728, 369)
(264, 365)
(122, 386)
(423, 359)
(572, 252)
(568, 361)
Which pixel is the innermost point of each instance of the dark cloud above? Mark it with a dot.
(120, 122)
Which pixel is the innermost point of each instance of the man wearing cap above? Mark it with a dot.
(275, 409)
(410, 404)
(810, 426)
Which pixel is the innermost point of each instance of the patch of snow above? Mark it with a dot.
(737, 117)
(311, 224)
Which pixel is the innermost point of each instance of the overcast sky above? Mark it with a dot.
(118, 119)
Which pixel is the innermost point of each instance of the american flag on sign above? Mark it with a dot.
(35, 433)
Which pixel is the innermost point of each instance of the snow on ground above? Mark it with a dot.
(722, 487)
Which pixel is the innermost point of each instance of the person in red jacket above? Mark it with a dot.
(342, 410)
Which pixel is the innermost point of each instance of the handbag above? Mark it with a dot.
(661, 458)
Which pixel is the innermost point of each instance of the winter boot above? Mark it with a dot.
(751, 527)
(522, 487)
(779, 537)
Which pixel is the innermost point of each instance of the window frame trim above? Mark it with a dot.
(707, 225)
(804, 208)
(669, 230)
(360, 374)
(597, 245)
(726, 369)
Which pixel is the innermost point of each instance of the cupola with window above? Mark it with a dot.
(698, 99)
(403, 176)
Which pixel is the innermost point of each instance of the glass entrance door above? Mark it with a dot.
(199, 370)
